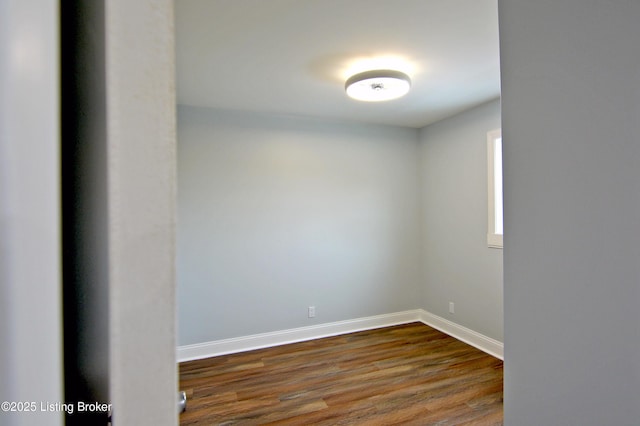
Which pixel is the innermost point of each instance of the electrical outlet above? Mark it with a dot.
(452, 308)
(312, 311)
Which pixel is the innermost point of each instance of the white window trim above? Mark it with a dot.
(494, 239)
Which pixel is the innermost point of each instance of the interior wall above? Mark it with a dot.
(30, 271)
(458, 265)
(280, 213)
(571, 120)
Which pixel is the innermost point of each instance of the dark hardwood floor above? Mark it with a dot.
(408, 374)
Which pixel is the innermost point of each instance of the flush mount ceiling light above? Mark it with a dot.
(378, 85)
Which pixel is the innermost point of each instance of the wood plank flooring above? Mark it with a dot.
(409, 374)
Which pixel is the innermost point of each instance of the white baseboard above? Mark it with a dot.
(283, 337)
(486, 344)
(276, 338)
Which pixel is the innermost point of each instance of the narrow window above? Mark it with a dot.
(494, 161)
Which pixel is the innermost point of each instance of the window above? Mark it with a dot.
(494, 161)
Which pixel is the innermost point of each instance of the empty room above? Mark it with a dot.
(306, 214)
(330, 229)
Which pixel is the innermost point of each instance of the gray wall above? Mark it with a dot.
(30, 292)
(571, 124)
(280, 213)
(458, 266)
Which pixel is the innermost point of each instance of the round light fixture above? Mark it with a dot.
(378, 85)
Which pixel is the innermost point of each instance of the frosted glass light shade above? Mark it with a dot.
(378, 85)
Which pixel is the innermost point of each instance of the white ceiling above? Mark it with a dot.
(293, 56)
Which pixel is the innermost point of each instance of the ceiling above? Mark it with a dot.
(292, 57)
